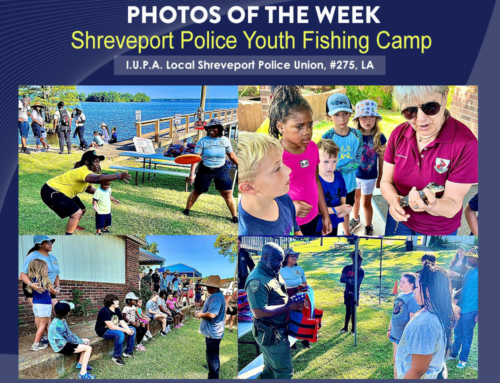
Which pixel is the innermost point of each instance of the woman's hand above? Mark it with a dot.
(417, 203)
(191, 178)
(396, 211)
(124, 176)
(302, 208)
(343, 210)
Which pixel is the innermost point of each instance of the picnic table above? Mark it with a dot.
(149, 158)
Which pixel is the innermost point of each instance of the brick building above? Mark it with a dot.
(464, 106)
(97, 265)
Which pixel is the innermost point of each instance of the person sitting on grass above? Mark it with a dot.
(97, 142)
(172, 302)
(154, 313)
(42, 304)
(428, 337)
(405, 307)
(264, 181)
(350, 301)
(162, 306)
(144, 320)
(114, 136)
(102, 205)
(60, 193)
(130, 316)
(111, 325)
(64, 341)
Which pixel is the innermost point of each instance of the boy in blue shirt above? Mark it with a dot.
(468, 302)
(265, 207)
(333, 185)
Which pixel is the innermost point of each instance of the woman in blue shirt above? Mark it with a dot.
(213, 150)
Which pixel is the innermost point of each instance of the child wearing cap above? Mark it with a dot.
(350, 142)
(131, 316)
(64, 341)
(102, 205)
(368, 174)
(265, 207)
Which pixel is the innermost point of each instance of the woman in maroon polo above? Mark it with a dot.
(431, 146)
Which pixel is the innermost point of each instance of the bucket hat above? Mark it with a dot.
(366, 108)
(38, 239)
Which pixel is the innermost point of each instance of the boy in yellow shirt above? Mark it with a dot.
(102, 205)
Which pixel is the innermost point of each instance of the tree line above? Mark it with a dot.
(114, 97)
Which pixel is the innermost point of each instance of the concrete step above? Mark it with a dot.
(50, 365)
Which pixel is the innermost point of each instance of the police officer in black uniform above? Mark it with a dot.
(269, 303)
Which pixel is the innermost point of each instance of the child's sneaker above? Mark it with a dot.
(369, 230)
(79, 367)
(342, 331)
(149, 335)
(354, 224)
(106, 231)
(44, 340)
(118, 361)
(181, 325)
(86, 376)
(163, 333)
(178, 326)
(125, 355)
(38, 346)
(462, 364)
(140, 347)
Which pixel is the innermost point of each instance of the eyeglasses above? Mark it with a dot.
(48, 242)
(430, 109)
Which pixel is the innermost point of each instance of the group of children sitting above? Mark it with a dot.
(292, 186)
(103, 138)
(111, 323)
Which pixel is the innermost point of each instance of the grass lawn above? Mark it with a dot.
(334, 355)
(389, 121)
(179, 355)
(153, 207)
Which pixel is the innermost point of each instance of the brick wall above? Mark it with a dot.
(96, 291)
(464, 106)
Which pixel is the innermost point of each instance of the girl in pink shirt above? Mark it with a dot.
(290, 119)
(172, 305)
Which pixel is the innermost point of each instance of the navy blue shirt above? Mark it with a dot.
(333, 191)
(368, 168)
(474, 202)
(286, 224)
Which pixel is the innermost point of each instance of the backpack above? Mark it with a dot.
(64, 120)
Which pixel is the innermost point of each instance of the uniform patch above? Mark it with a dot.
(254, 285)
(441, 165)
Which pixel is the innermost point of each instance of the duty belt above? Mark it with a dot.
(270, 324)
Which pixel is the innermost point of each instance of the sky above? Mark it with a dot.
(165, 91)
(196, 251)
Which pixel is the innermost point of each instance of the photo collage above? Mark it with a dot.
(248, 232)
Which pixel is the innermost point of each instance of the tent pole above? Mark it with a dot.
(355, 291)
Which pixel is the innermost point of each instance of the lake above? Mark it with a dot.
(122, 115)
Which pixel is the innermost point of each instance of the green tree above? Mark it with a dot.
(227, 245)
(151, 247)
(82, 97)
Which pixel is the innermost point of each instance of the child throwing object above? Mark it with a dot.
(291, 122)
(102, 205)
(369, 173)
(350, 142)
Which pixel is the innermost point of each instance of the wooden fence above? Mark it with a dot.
(187, 123)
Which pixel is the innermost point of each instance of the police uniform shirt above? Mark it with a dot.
(265, 289)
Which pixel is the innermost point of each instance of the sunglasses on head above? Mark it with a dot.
(430, 109)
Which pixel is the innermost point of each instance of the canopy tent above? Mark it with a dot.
(181, 268)
(147, 258)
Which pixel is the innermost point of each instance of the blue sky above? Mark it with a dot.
(165, 91)
(196, 251)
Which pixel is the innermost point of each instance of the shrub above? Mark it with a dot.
(375, 93)
(83, 307)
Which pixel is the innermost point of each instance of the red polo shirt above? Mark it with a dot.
(452, 156)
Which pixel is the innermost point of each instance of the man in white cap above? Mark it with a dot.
(212, 323)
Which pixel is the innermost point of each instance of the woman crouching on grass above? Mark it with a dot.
(60, 193)
(405, 307)
(427, 338)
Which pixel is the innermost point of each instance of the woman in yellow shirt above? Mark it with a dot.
(61, 193)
